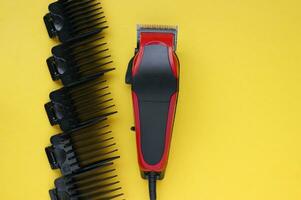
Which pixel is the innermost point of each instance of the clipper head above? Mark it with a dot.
(98, 183)
(79, 60)
(156, 31)
(80, 148)
(70, 19)
(80, 104)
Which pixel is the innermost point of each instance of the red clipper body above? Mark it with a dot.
(154, 76)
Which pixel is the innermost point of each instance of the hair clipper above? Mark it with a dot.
(153, 73)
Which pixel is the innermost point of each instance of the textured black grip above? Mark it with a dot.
(154, 83)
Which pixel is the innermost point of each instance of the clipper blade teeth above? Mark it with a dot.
(100, 183)
(72, 19)
(157, 27)
(81, 148)
(153, 28)
(78, 60)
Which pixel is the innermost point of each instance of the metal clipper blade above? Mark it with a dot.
(153, 28)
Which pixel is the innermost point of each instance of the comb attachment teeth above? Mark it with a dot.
(79, 60)
(98, 183)
(74, 19)
(80, 104)
(77, 149)
(85, 150)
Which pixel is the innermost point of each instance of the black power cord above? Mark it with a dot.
(152, 180)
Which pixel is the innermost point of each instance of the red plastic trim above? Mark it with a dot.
(149, 38)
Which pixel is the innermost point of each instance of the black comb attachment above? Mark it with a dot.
(84, 146)
(79, 60)
(80, 104)
(98, 183)
(73, 19)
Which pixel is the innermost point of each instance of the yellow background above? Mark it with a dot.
(237, 131)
